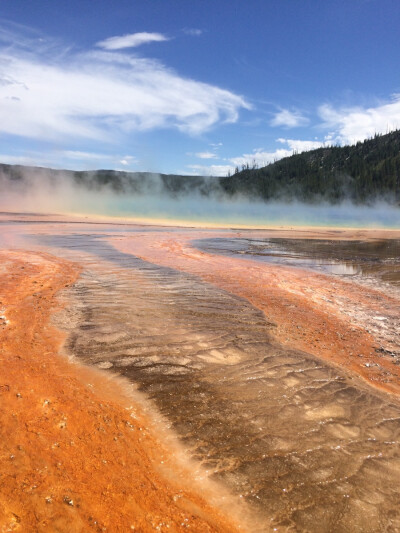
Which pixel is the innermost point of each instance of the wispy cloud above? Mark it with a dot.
(77, 154)
(70, 159)
(53, 94)
(131, 40)
(205, 155)
(289, 119)
(96, 158)
(193, 31)
(28, 159)
(357, 124)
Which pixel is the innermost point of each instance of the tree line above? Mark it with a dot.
(362, 173)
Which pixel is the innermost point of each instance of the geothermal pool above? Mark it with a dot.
(309, 439)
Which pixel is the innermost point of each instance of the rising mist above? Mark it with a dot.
(183, 199)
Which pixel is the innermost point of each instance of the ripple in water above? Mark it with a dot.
(311, 448)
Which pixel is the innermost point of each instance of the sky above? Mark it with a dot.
(193, 86)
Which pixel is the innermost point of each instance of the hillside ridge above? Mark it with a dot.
(362, 173)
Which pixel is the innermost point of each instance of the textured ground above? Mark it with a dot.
(353, 326)
(256, 367)
(72, 457)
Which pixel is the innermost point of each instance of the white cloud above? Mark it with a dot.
(346, 126)
(289, 119)
(205, 155)
(259, 157)
(131, 40)
(128, 160)
(357, 123)
(263, 157)
(297, 145)
(57, 95)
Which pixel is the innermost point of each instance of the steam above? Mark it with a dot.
(152, 197)
(36, 192)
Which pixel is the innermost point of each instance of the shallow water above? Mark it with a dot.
(312, 448)
(379, 259)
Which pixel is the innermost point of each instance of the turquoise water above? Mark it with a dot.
(201, 210)
(197, 209)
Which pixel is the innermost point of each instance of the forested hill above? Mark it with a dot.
(19, 177)
(363, 173)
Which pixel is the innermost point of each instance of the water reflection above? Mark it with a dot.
(345, 258)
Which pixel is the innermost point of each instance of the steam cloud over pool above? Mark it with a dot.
(156, 197)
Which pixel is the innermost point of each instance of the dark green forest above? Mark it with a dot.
(362, 173)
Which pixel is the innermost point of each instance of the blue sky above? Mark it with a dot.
(193, 86)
